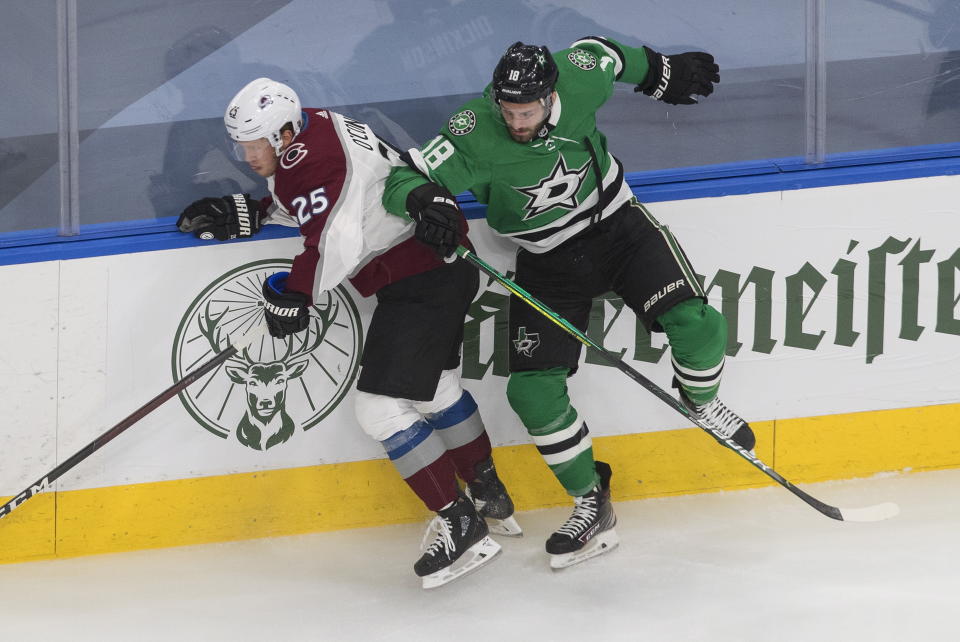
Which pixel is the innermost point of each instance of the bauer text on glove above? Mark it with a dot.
(678, 78)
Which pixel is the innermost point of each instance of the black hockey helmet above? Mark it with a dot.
(524, 74)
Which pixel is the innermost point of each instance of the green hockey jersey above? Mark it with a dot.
(539, 193)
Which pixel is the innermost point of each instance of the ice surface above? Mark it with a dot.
(735, 566)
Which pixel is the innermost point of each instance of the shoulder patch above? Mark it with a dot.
(462, 123)
(293, 155)
(583, 59)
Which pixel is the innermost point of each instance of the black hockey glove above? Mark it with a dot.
(435, 211)
(225, 218)
(287, 312)
(676, 79)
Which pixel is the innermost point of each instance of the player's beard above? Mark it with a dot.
(526, 134)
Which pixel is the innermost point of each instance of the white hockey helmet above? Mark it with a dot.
(260, 110)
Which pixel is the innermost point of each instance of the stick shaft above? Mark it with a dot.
(826, 509)
(138, 414)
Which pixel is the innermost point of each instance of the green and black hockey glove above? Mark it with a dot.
(437, 215)
(228, 217)
(677, 79)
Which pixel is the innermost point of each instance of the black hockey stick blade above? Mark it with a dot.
(44, 482)
(867, 514)
(875, 513)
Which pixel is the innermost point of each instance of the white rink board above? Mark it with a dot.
(781, 231)
(28, 372)
(66, 383)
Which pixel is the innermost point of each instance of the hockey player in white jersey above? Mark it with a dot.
(325, 173)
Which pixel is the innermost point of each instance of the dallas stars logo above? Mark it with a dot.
(525, 343)
(583, 59)
(559, 189)
(462, 123)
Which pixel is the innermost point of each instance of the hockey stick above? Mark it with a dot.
(866, 514)
(44, 482)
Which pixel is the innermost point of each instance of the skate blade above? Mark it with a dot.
(602, 543)
(473, 558)
(507, 527)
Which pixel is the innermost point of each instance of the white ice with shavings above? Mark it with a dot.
(744, 566)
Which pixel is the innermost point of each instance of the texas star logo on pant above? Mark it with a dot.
(274, 389)
(526, 343)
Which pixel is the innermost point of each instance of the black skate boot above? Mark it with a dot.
(461, 544)
(589, 531)
(717, 416)
(490, 497)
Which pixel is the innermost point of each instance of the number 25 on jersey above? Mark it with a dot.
(317, 204)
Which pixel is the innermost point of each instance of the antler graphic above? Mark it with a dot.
(210, 328)
(218, 339)
(316, 332)
(324, 316)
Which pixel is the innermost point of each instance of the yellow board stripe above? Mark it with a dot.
(370, 493)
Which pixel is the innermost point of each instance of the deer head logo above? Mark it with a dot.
(266, 422)
(274, 389)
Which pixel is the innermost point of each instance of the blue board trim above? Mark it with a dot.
(133, 236)
(770, 175)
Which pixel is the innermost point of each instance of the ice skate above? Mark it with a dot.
(460, 544)
(493, 502)
(721, 419)
(589, 530)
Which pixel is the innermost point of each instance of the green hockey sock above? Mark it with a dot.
(539, 397)
(698, 339)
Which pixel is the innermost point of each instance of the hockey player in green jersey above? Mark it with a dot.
(530, 149)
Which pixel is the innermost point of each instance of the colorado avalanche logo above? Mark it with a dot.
(294, 154)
